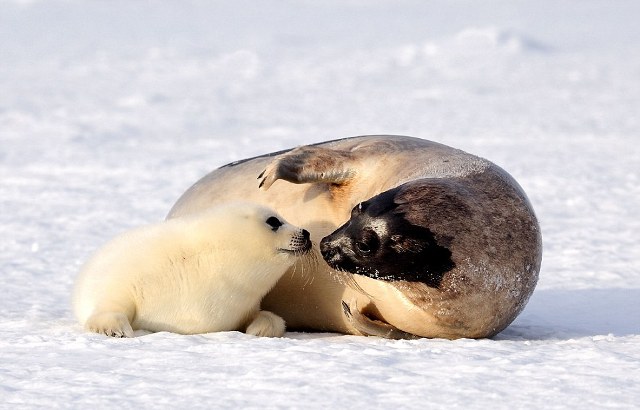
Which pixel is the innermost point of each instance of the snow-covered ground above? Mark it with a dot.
(110, 110)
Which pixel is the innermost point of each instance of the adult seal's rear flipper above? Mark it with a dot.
(309, 164)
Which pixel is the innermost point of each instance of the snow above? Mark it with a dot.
(110, 110)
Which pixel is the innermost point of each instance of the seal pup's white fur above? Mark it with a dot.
(201, 273)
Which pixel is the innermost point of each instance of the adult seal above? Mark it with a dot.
(412, 237)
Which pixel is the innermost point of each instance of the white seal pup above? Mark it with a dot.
(206, 272)
(425, 239)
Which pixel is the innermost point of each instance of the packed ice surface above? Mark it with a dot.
(110, 110)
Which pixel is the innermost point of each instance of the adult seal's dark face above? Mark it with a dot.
(385, 239)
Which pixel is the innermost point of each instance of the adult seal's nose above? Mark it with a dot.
(330, 253)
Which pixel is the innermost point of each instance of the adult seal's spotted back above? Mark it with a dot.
(413, 238)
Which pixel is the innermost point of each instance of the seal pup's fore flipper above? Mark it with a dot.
(369, 327)
(114, 324)
(266, 324)
(309, 164)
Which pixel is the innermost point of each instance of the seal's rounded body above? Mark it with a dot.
(200, 273)
(416, 238)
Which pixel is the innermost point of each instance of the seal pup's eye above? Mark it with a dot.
(274, 223)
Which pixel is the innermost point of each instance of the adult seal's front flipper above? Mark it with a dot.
(309, 164)
(370, 327)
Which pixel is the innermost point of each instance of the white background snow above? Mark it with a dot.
(110, 110)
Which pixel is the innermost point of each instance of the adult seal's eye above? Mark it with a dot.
(363, 247)
(367, 243)
(274, 223)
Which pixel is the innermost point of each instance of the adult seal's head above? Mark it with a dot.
(390, 237)
(470, 240)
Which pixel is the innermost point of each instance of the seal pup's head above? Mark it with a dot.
(399, 235)
(261, 225)
(244, 233)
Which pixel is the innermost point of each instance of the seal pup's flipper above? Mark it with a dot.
(370, 327)
(266, 324)
(309, 164)
(114, 324)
